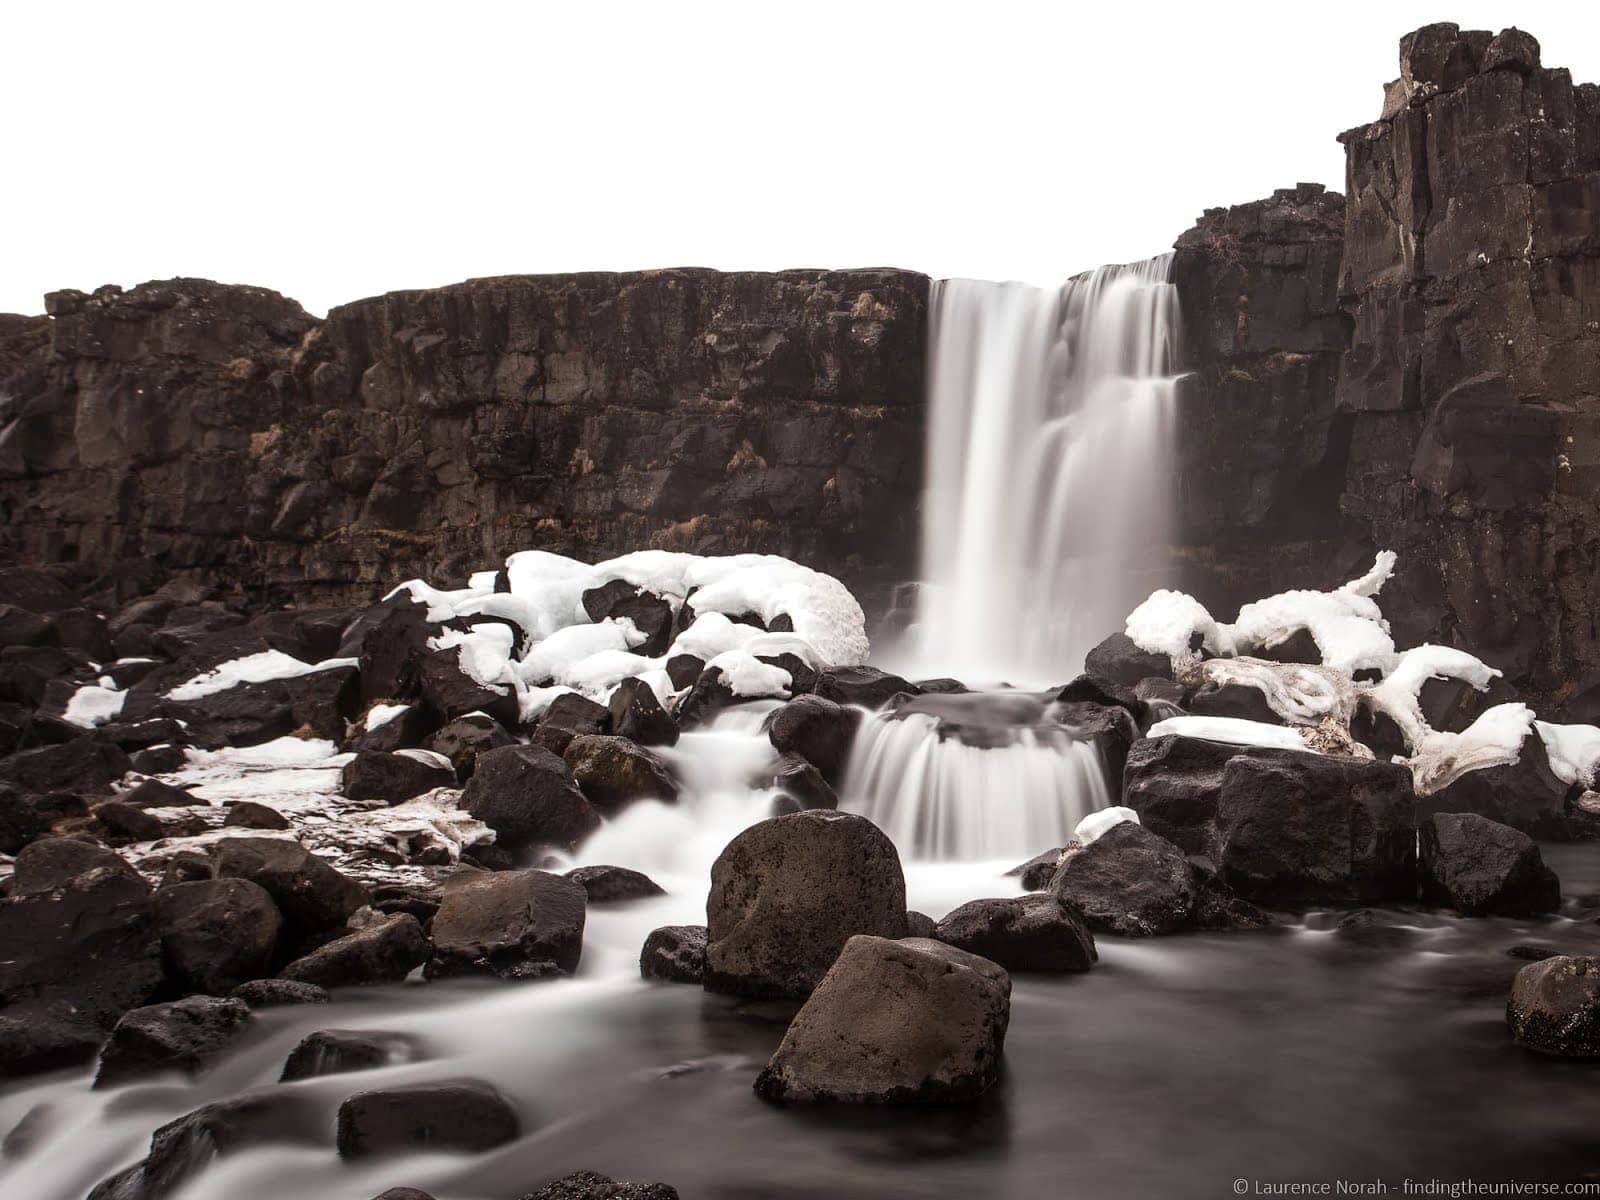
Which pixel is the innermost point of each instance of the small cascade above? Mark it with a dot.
(974, 777)
(1047, 503)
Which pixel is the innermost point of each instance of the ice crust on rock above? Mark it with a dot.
(94, 704)
(1097, 823)
(1573, 750)
(1233, 730)
(252, 668)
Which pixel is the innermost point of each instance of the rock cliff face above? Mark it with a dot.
(223, 430)
(1426, 378)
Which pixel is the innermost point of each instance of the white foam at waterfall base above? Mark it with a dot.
(1047, 502)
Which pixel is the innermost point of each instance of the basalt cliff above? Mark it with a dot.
(1412, 365)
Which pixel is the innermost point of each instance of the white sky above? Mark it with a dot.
(340, 149)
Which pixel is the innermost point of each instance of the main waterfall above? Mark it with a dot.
(1048, 497)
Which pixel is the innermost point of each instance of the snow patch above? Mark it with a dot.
(252, 668)
(1095, 824)
(94, 705)
(1232, 730)
(1573, 750)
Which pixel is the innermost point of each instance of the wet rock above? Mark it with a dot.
(788, 892)
(394, 778)
(818, 730)
(184, 1035)
(451, 692)
(274, 993)
(801, 783)
(650, 614)
(1021, 933)
(247, 814)
(895, 1022)
(866, 687)
(336, 1051)
(606, 884)
(124, 823)
(85, 765)
(710, 694)
(1554, 1007)
(392, 638)
(1481, 868)
(1235, 700)
(1129, 881)
(1173, 783)
(637, 715)
(311, 895)
(527, 796)
(612, 772)
(383, 949)
(462, 740)
(1308, 828)
(1121, 661)
(1374, 929)
(36, 1037)
(570, 715)
(402, 1193)
(587, 1185)
(1525, 795)
(920, 924)
(676, 953)
(408, 727)
(465, 1115)
(683, 670)
(153, 793)
(157, 760)
(216, 933)
(1035, 874)
(500, 923)
(1112, 729)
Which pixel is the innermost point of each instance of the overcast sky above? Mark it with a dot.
(336, 150)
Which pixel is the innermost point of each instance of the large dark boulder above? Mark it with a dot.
(1236, 700)
(819, 730)
(462, 740)
(25, 816)
(337, 1051)
(1525, 795)
(184, 1035)
(1129, 881)
(276, 993)
(217, 933)
(37, 1037)
(527, 796)
(613, 772)
(867, 687)
(451, 692)
(1481, 868)
(394, 778)
(637, 715)
(676, 953)
(801, 785)
(1173, 782)
(507, 923)
(1554, 1007)
(570, 715)
(462, 1115)
(392, 638)
(1110, 727)
(788, 892)
(312, 895)
(605, 884)
(247, 814)
(650, 614)
(1021, 933)
(86, 766)
(1121, 661)
(895, 1022)
(588, 1185)
(383, 948)
(1302, 828)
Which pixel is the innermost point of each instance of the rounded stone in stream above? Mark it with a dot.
(612, 772)
(1131, 882)
(507, 923)
(895, 1022)
(184, 1035)
(588, 1185)
(1554, 1007)
(383, 949)
(676, 953)
(1480, 867)
(789, 892)
(463, 1115)
(636, 714)
(273, 993)
(818, 730)
(1035, 932)
(217, 933)
(394, 777)
(403, 1193)
(607, 884)
(527, 796)
(336, 1051)
(247, 814)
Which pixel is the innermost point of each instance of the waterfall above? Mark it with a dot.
(1048, 495)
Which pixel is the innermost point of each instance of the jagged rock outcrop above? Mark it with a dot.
(221, 429)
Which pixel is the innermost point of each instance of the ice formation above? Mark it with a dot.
(1573, 750)
(1096, 823)
(1232, 730)
(252, 668)
(94, 704)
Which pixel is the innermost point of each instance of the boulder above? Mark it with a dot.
(788, 892)
(708, 696)
(800, 783)
(1237, 700)
(568, 716)
(187, 866)
(275, 993)
(1112, 729)
(402, 1193)
(393, 636)
(895, 1022)
(1525, 795)
(184, 1035)
(399, 729)
(637, 715)
(920, 924)
(451, 692)
(85, 765)
(817, 729)
(676, 953)
(153, 793)
(1482, 868)
(1302, 828)
(384, 948)
(1554, 1007)
(1129, 881)
(865, 687)
(462, 740)
(1173, 782)
(1119, 660)
(527, 796)
(1021, 933)
(462, 1115)
(1512, 50)
(395, 778)
(684, 669)
(587, 1185)
(122, 823)
(607, 884)
(24, 817)
(217, 933)
(507, 922)
(650, 614)
(311, 895)
(247, 814)
(337, 1051)
(1035, 874)
(612, 772)
(37, 1037)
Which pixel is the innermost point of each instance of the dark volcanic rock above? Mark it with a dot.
(612, 772)
(650, 613)
(463, 1115)
(25, 817)
(247, 814)
(450, 692)
(788, 892)
(1129, 881)
(867, 687)
(1173, 782)
(895, 1022)
(637, 715)
(1525, 795)
(35, 1037)
(819, 730)
(85, 765)
(606, 884)
(462, 740)
(527, 796)
(801, 783)
(336, 1051)
(1022, 933)
(507, 921)
(184, 1035)
(382, 949)
(394, 778)
(1119, 660)
(153, 793)
(311, 895)
(217, 933)
(1231, 700)
(1301, 828)
(1035, 874)
(1479, 867)
(1554, 1007)
(676, 953)
(568, 716)
(587, 1185)
(272, 993)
